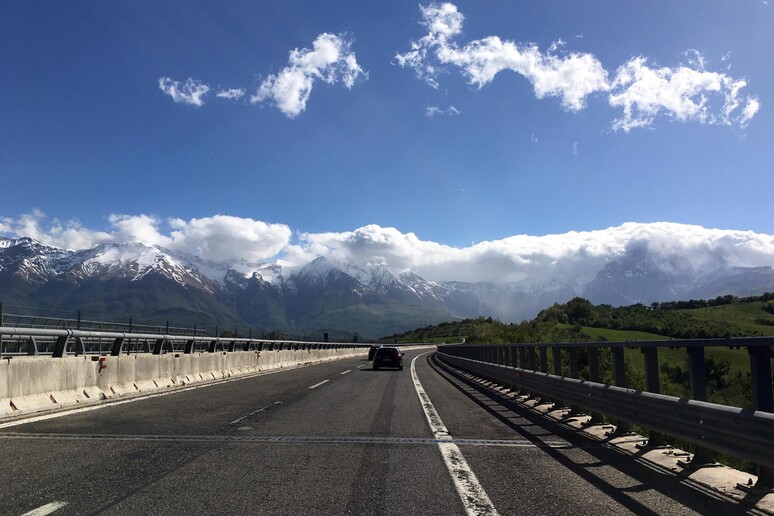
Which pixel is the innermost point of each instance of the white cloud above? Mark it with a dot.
(750, 108)
(432, 111)
(224, 237)
(231, 94)
(533, 138)
(138, 228)
(573, 258)
(571, 77)
(330, 60)
(191, 91)
(220, 237)
(683, 93)
(575, 148)
(70, 235)
(556, 45)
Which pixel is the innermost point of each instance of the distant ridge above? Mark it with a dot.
(340, 298)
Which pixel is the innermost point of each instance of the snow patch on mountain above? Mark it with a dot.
(640, 272)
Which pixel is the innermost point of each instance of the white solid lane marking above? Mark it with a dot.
(29, 436)
(318, 384)
(347, 371)
(46, 509)
(473, 497)
(253, 413)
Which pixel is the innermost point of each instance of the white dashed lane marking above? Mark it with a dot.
(318, 384)
(255, 412)
(45, 509)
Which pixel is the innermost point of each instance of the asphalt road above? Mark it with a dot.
(337, 438)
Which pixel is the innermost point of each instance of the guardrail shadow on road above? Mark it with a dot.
(678, 487)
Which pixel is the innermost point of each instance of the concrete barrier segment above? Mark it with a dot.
(34, 384)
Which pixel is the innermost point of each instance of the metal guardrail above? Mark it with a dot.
(54, 323)
(59, 343)
(746, 433)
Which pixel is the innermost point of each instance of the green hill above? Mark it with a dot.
(579, 320)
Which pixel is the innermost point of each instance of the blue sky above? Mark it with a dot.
(89, 139)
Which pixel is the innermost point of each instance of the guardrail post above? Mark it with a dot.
(543, 359)
(652, 384)
(523, 357)
(619, 375)
(32, 346)
(60, 348)
(698, 377)
(158, 347)
(80, 347)
(118, 345)
(760, 376)
(129, 344)
(557, 360)
(189, 346)
(573, 353)
(574, 373)
(532, 358)
(513, 361)
(594, 376)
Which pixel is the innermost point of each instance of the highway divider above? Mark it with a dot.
(56, 369)
(34, 384)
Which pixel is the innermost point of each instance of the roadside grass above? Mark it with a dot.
(743, 315)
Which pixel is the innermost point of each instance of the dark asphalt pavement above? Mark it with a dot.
(357, 444)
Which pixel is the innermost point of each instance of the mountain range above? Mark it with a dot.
(324, 295)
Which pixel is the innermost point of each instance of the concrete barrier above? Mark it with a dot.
(35, 384)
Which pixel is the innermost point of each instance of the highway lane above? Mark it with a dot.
(333, 438)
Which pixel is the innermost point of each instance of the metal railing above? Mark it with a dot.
(51, 319)
(59, 343)
(745, 433)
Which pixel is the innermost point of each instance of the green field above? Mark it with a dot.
(742, 315)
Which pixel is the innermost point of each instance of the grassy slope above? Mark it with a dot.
(743, 315)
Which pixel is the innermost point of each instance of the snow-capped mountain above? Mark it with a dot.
(32, 261)
(325, 295)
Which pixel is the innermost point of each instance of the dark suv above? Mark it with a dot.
(388, 357)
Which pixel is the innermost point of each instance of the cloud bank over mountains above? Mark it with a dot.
(643, 91)
(571, 257)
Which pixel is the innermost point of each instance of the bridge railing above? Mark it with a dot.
(61, 342)
(746, 433)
